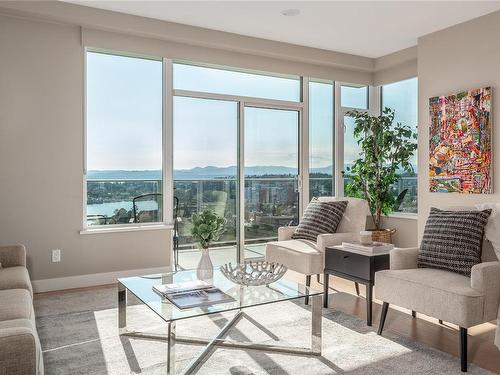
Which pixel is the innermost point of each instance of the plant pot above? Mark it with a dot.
(205, 269)
(382, 235)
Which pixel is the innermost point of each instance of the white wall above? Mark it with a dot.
(459, 58)
(41, 129)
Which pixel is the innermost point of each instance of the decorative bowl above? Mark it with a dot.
(253, 273)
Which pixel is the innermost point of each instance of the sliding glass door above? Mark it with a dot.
(271, 170)
(205, 172)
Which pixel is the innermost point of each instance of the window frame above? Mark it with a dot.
(167, 184)
(334, 136)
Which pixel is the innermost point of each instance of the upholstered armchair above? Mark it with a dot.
(441, 294)
(307, 257)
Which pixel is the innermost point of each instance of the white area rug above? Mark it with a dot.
(79, 335)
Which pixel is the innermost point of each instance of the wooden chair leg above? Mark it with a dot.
(383, 315)
(463, 349)
(413, 313)
(308, 283)
(356, 285)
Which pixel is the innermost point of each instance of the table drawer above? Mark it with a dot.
(351, 264)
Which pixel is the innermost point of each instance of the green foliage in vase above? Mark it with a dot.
(386, 149)
(207, 227)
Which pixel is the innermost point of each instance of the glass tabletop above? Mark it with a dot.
(244, 296)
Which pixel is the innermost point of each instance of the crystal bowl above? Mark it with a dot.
(253, 273)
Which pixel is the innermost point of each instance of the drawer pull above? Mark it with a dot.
(346, 256)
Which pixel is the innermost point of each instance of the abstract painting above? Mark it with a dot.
(460, 143)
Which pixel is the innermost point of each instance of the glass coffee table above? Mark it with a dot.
(244, 297)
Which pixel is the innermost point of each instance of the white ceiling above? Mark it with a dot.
(371, 29)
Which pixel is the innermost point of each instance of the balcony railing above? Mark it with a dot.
(270, 202)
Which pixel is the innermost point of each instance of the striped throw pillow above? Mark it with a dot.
(320, 218)
(453, 240)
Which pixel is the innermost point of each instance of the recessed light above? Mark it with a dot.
(290, 12)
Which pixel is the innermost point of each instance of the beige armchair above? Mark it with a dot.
(441, 294)
(307, 257)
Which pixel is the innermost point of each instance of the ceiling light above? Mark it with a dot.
(290, 12)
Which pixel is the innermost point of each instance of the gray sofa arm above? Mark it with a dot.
(20, 352)
(404, 258)
(285, 233)
(485, 277)
(13, 255)
(335, 239)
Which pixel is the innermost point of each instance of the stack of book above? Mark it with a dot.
(373, 248)
(189, 294)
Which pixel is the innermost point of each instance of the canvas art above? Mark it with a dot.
(460, 143)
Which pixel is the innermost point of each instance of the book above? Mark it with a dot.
(374, 248)
(192, 294)
(185, 286)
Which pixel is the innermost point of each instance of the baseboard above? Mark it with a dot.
(95, 279)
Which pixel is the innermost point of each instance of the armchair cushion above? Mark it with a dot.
(452, 240)
(404, 258)
(298, 255)
(438, 293)
(285, 233)
(319, 218)
(354, 219)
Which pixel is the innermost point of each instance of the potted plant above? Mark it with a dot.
(386, 151)
(207, 227)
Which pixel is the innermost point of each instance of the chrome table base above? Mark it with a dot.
(220, 340)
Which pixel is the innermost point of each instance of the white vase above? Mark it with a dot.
(205, 269)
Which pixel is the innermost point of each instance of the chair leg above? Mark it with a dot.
(463, 349)
(308, 283)
(356, 285)
(383, 315)
(413, 313)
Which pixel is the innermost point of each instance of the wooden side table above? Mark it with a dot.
(356, 266)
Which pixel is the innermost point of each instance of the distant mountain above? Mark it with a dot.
(198, 173)
(124, 175)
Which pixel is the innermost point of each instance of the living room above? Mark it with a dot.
(149, 144)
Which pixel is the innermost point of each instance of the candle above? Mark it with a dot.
(365, 237)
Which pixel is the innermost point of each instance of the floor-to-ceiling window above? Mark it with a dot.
(236, 150)
(402, 98)
(123, 140)
(205, 172)
(271, 165)
(321, 139)
(352, 97)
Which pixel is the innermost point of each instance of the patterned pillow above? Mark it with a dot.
(320, 218)
(452, 240)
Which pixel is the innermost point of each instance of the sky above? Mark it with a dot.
(400, 96)
(124, 116)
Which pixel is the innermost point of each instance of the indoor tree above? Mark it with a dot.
(386, 150)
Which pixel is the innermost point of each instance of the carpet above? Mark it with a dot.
(79, 335)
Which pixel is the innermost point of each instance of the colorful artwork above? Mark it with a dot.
(460, 141)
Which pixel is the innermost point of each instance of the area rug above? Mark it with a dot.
(79, 335)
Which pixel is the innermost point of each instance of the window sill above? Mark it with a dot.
(403, 215)
(131, 228)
